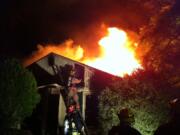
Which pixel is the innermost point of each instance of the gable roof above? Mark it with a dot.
(44, 73)
(67, 60)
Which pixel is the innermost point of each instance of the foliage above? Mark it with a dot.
(148, 92)
(18, 93)
(141, 96)
(109, 102)
(16, 132)
(160, 40)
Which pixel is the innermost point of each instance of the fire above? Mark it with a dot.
(66, 49)
(117, 57)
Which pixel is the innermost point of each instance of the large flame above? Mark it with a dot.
(66, 49)
(117, 57)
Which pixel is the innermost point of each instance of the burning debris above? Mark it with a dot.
(117, 55)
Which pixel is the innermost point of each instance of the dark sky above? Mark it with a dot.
(25, 23)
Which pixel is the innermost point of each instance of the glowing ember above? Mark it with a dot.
(117, 57)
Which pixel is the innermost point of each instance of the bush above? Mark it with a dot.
(149, 105)
(18, 93)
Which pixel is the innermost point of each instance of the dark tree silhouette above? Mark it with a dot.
(18, 93)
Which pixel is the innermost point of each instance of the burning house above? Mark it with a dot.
(45, 65)
(50, 113)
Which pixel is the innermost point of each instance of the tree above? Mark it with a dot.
(18, 93)
(143, 94)
(161, 41)
(148, 92)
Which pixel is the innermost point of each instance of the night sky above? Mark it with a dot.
(26, 23)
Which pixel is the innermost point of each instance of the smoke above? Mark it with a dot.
(28, 23)
(52, 22)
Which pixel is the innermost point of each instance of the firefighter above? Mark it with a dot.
(73, 92)
(125, 126)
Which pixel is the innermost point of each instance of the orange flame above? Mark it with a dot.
(66, 49)
(118, 57)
